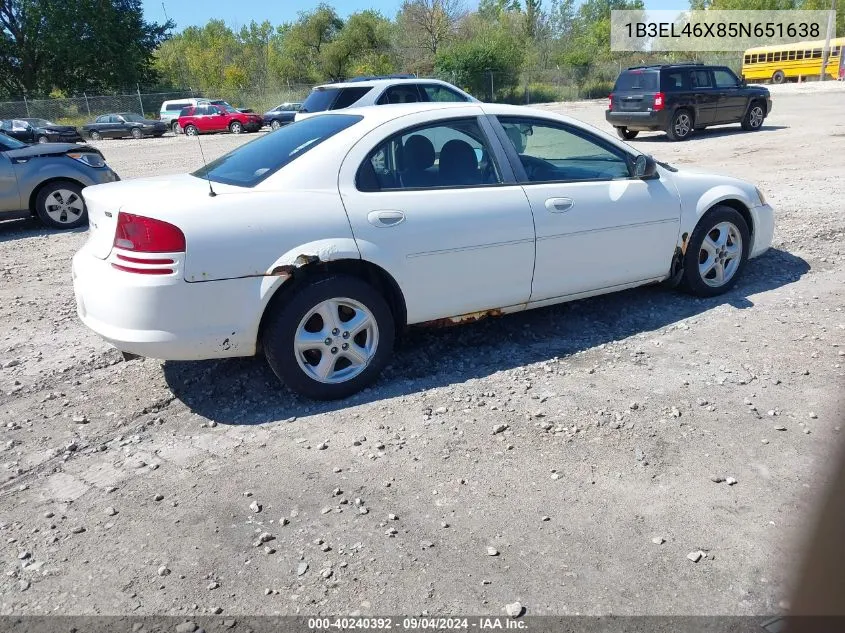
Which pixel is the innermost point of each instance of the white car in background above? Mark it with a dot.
(388, 90)
(318, 243)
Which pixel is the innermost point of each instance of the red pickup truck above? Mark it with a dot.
(205, 118)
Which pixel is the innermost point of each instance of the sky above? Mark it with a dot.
(189, 12)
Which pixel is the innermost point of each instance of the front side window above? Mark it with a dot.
(441, 94)
(249, 164)
(553, 152)
(725, 79)
(448, 154)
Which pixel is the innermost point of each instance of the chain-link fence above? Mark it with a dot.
(561, 83)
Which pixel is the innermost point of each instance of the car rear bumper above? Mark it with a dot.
(649, 120)
(163, 316)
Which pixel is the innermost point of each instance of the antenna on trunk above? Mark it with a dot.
(205, 164)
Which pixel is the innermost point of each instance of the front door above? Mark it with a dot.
(597, 227)
(428, 201)
(732, 100)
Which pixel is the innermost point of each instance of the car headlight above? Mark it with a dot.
(89, 158)
(760, 195)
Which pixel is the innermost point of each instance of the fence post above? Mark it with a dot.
(140, 101)
(492, 92)
(26, 105)
(87, 107)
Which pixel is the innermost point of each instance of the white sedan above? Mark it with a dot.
(318, 243)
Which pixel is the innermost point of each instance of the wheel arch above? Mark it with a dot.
(33, 196)
(310, 267)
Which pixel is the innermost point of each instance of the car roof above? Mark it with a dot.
(376, 83)
(375, 116)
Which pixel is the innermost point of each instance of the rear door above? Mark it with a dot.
(10, 199)
(706, 97)
(732, 99)
(635, 90)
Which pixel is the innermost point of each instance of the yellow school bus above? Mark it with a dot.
(791, 61)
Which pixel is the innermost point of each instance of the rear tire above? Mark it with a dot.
(716, 252)
(778, 77)
(94, 135)
(295, 332)
(174, 127)
(191, 130)
(59, 205)
(235, 127)
(625, 134)
(681, 125)
(753, 119)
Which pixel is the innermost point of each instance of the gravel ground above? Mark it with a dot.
(575, 459)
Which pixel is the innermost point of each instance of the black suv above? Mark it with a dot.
(680, 98)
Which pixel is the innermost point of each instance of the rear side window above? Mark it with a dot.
(675, 81)
(319, 100)
(701, 79)
(175, 107)
(405, 93)
(249, 164)
(637, 81)
(348, 96)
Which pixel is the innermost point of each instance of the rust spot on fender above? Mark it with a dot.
(469, 317)
(684, 243)
(299, 262)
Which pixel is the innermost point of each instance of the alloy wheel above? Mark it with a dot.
(64, 206)
(336, 340)
(720, 254)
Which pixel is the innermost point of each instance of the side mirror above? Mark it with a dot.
(645, 167)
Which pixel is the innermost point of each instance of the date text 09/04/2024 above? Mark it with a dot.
(723, 29)
(415, 624)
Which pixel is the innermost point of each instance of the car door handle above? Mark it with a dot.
(559, 205)
(385, 219)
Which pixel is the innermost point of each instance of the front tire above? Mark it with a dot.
(275, 125)
(753, 119)
(235, 127)
(625, 134)
(59, 205)
(43, 139)
(330, 338)
(716, 253)
(681, 126)
(137, 134)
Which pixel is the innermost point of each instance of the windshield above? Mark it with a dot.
(129, 116)
(251, 163)
(7, 142)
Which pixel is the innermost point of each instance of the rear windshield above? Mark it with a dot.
(637, 80)
(249, 164)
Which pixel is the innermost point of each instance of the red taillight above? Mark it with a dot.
(658, 101)
(610, 102)
(146, 235)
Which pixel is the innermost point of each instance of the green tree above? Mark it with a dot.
(94, 45)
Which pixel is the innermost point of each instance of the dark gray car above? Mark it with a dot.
(47, 180)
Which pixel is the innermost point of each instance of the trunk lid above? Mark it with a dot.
(141, 196)
(635, 90)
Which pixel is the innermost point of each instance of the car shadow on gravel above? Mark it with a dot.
(245, 391)
(20, 228)
(659, 137)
